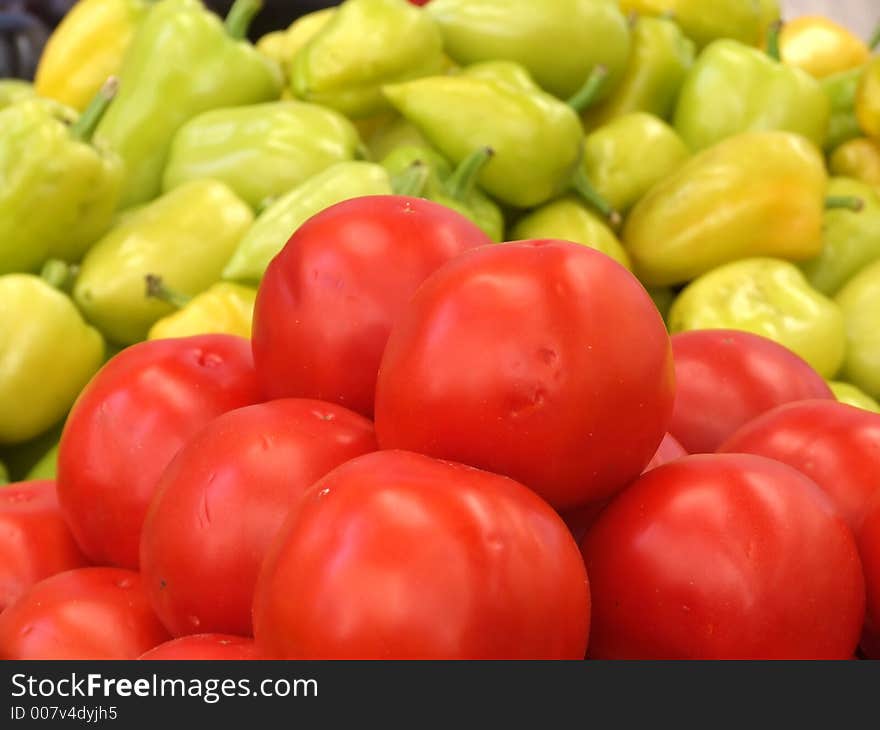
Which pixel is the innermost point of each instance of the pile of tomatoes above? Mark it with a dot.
(439, 447)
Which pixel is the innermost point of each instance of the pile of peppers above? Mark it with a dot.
(160, 160)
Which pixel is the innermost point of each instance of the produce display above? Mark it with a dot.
(458, 329)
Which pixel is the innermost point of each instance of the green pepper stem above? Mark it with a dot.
(844, 202)
(59, 274)
(240, 16)
(773, 33)
(461, 183)
(84, 127)
(875, 38)
(583, 187)
(412, 180)
(157, 289)
(585, 97)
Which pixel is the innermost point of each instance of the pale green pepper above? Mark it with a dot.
(48, 354)
(260, 151)
(262, 242)
(767, 297)
(851, 239)
(46, 467)
(186, 237)
(860, 302)
(852, 396)
(13, 91)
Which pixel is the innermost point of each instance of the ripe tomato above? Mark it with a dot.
(327, 301)
(725, 378)
(128, 423)
(204, 647)
(836, 445)
(581, 519)
(34, 541)
(223, 498)
(869, 549)
(723, 557)
(88, 613)
(395, 555)
(545, 361)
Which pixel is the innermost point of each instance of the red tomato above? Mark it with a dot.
(545, 361)
(204, 647)
(395, 555)
(724, 557)
(725, 378)
(581, 519)
(88, 613)
(129, 422)
(223, 498)
(34, 541)
(327, 301)
(869, 549)
(836, 445)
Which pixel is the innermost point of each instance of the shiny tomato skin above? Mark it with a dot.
(835, 445)
(223, 498)
(327, 301)
(545, 361)
(723, 557)
(204, 647)
(34, 540)
(87, 613)
(869, 550)
(726, 378)
(128, 423)
(394, 555)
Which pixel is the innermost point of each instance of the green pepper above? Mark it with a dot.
(868, 100)
(13, 91)
(852, 396)
(860, 302)
(569, 219)
(851, 239)
(841, 92)
(754, 194)
(59, 189)
(767, 297)
(628, 156)
(537, 139)
(366, 44)
(182, 61)
(660, 59)
(186, 237)
(260, 151)
(48, 353)
(704, 22)
(734, 88)
(262, 242)
(46, 467)
(540, 36)
(4, 474)
(455, 189)
(282, 45)
(395, 131)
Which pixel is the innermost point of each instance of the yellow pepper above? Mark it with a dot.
(282, 45)
(225, 308)
(821, 47)
(868, 100)
(86, 48)
(858, 158)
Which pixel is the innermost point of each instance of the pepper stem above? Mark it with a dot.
(875, 38)
(157, 289)
(844, 202)
(585, 97)
(240, 16)
(84, 127)
(412, 180)
(461, 182)
(773, 33)
(583, 187)
(59, 274)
